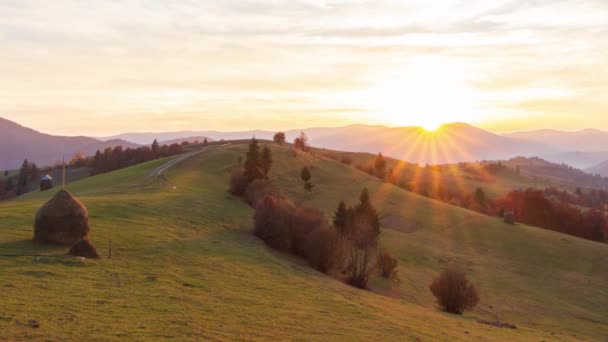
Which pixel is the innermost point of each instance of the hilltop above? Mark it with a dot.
(185, 265)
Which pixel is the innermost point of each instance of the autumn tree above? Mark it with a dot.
(301, 142)
(380, 166)
(279, 138)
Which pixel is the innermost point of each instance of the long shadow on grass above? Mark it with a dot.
(29, 247)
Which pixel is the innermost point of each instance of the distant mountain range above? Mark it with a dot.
(18, 143)
(588, 140)
(455, 142)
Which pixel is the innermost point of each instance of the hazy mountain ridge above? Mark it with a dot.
(18, 143)
(453, 143)
(601, 169)
(413, 144)
(587, 140)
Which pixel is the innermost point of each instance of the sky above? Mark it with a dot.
(106, 67)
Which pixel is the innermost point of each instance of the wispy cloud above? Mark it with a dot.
(291, 63)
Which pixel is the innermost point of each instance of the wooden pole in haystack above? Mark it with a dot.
(110, 250)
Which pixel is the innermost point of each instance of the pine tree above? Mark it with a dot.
(266, 161)
(23, 174)
(155, 148)
(253, 162)
(341, 218)
(366, 211)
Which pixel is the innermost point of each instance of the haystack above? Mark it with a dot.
(62, 220)
(84, 248)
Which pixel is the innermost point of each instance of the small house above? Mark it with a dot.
(46, 183)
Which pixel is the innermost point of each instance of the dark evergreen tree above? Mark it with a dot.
(155, 148)
(253, 162)
(266, 161)
(23, 174)
(342, 218)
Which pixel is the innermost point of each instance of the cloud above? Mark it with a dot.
(118, 59)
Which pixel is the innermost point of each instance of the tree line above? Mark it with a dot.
(110, 159)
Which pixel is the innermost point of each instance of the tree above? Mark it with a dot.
(266, 161)
(364, 197)
(454, 292)
(306, 176)
(387, 265)
(301, 142)
(205, 142)
(341, 218)
(365, 211)
(253, 162)
(380, 166)
(362, 243)
(23, 174)
(34, 172)
(78, 160)
(155, 148)
(279, 138)
(480, 197)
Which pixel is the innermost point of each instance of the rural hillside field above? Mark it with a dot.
(185, 266)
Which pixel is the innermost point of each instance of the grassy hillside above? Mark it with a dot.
(186, 267)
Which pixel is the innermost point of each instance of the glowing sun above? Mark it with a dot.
(426, 93)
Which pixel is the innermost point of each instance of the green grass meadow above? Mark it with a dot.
(185, 266)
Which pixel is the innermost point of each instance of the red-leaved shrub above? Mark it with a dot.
(453, 291)
(297, 230)
(238, 182)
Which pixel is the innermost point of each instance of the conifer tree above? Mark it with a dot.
(253, 162)
(266, 161)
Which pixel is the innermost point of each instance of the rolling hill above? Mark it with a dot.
(18, 143)
(185, 266)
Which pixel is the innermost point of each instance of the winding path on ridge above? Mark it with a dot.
(166, 166)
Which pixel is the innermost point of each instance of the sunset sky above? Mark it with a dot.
(105, 67)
